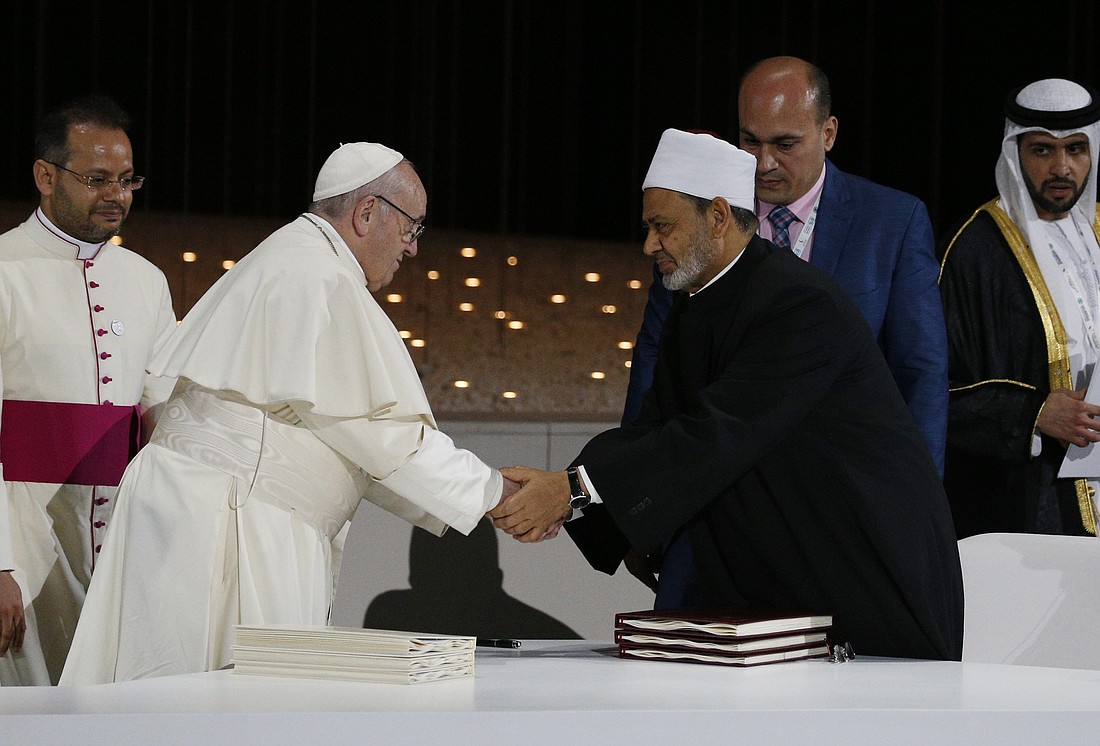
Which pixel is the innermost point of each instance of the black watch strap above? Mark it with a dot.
(577, 497)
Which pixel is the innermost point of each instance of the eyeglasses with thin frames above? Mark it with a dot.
(414, 231)
(126, 183)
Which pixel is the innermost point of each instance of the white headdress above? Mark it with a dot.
(704, 166)
(1060, 108)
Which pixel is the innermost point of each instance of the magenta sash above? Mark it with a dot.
(65, 443)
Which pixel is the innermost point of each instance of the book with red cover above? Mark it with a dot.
(730, 637)
(718, 645)
(721, 623)
(761, 657)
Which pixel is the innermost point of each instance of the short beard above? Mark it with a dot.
(1055, 207)
(699, 255)
(73, 219)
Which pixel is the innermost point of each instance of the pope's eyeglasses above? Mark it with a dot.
(415, 230)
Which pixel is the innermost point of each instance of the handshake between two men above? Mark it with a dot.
(535, 503)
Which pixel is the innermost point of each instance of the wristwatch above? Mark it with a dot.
(577, 497)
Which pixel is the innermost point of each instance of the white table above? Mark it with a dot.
(577, 692)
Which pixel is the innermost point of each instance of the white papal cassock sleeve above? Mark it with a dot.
(417, 462)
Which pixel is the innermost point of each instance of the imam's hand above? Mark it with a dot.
(538, 509)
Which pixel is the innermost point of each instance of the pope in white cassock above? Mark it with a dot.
(296, 398)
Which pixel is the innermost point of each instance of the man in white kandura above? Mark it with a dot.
(296, 397)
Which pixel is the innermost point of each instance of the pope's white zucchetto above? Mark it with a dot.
(704, 166)
(351, 166)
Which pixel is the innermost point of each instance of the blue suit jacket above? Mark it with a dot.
(877, 244)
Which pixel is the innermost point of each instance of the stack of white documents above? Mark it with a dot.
(351, 653)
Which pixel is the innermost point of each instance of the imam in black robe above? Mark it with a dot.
(775, 435)
(1006, 352)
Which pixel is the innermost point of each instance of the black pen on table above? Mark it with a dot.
(497, 642)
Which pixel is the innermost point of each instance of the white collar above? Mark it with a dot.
(719, 275)
(84, 250)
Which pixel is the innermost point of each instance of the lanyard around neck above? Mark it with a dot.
(1085, 305)
(799, 247)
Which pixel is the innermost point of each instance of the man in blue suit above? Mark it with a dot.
(876, 242)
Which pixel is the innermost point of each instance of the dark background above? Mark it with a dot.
(523, 118)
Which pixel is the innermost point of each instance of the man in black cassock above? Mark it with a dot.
(1021, 295)
(774, 435)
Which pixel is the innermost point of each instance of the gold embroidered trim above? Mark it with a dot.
(1057, 349)
(943, 262)
(995, 380)
(1035, 425)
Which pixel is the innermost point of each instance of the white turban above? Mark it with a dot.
(703, 166)
(1060, 108)
(351, 166)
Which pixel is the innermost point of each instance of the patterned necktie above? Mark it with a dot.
(781, 219)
